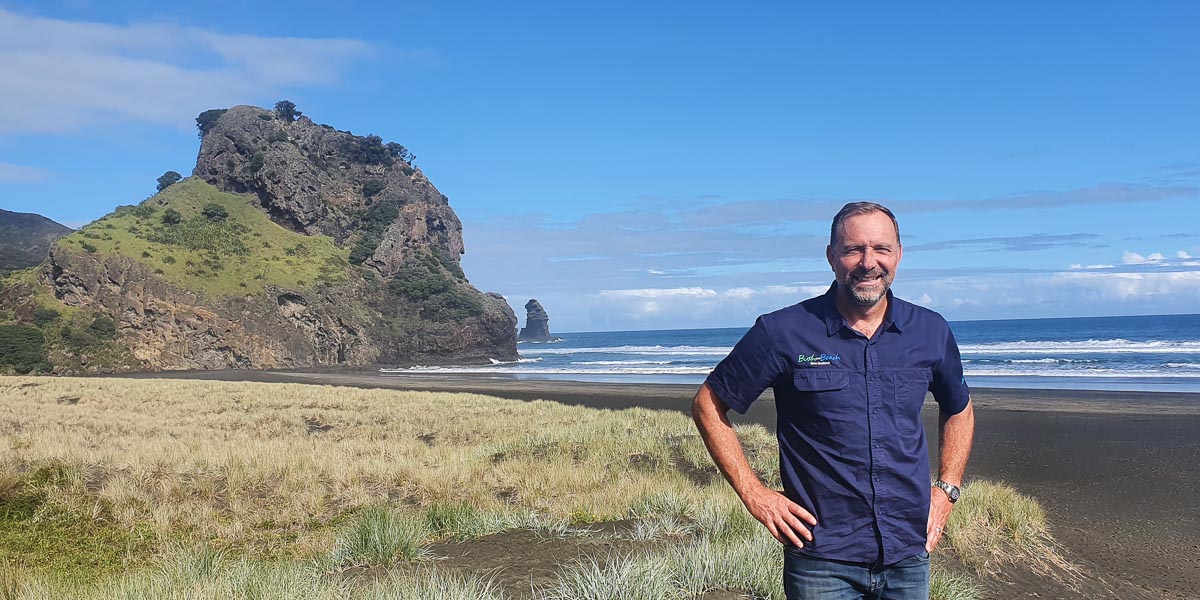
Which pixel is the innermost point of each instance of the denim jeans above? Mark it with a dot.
(808, 578)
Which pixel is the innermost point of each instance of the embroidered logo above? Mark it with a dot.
(817, 360)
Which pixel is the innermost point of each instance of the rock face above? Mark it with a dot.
(537, 323)
(401, 298)
(25, 239)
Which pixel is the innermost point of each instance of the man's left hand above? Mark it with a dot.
(939, 513)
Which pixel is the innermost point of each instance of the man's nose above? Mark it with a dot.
(869, 260)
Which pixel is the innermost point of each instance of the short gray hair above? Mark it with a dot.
(854, 209)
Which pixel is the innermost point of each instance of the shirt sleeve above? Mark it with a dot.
(752, 367)
(949, 386)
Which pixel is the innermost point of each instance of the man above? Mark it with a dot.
(850, 370)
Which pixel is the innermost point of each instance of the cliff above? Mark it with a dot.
(292, 245)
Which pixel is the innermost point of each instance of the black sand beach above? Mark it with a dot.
(1118, 472)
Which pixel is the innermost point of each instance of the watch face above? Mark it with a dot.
(954, 494)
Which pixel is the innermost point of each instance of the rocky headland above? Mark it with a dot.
(292, 245)
(25, 239)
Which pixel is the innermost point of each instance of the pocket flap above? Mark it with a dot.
(821, 380)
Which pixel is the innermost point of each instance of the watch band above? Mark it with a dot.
(952, 491)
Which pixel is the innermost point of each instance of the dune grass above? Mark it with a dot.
(166, 487)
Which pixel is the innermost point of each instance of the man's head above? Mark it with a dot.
(864, 251)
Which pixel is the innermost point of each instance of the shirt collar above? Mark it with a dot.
(898, 314)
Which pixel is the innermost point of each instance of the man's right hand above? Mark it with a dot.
(787, 521)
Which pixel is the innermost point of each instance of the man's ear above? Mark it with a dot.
(829, 256)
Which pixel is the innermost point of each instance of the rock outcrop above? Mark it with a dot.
(537, 323)
(192, 287)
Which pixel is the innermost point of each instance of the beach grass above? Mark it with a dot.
(132, 488)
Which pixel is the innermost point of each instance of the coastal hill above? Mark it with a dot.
(25, 239)
(292, 245)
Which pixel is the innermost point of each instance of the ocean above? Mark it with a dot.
(1141, 353)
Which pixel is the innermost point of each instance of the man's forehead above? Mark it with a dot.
(874, 227)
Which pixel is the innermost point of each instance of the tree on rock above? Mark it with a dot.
(168, 179)
(401, 153)
(286, 110)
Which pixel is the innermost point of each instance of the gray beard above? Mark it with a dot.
(866, 299)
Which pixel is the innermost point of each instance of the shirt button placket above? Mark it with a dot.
(876, 418)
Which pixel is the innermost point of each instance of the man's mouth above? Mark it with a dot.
(868, 278)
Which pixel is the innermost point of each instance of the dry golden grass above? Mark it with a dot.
(265, 466)
(294, 483)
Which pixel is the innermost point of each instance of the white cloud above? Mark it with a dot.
(19, 174)
(60, 75)
(686, 292)
(1133, 258)
(1183, 255)
(1100, 266)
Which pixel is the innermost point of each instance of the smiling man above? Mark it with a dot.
(850, 370)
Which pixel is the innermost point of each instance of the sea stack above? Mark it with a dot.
(537, 323)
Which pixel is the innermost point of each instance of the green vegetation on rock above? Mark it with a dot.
(211, 242)
(22, 349)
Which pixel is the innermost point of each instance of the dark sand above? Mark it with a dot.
(1118, 472)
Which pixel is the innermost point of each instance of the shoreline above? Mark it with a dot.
(660, 395)
(1117, 472)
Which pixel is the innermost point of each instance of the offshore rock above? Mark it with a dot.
(537, 323)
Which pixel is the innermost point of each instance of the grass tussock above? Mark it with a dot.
(174, 489)
(993, 525)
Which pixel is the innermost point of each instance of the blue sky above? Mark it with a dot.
(660, 165)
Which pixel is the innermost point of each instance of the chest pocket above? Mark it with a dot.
(820, 409)
(909, 388)
(820, 380)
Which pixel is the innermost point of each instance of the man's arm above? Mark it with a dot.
(955, 436)
(783, 518)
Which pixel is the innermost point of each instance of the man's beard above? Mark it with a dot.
(866, 298)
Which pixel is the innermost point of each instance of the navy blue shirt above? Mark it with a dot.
(851, 443)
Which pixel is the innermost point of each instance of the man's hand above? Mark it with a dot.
(939, 513)
(787, 521)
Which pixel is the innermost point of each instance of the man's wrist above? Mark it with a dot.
(951, 490)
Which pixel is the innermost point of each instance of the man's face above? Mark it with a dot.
(864, 257)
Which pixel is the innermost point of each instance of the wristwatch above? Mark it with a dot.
(951, 490)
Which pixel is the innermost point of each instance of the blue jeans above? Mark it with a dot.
(809, 578)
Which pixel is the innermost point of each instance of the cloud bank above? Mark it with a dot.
(60, 76)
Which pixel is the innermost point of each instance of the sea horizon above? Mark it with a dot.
(1150, 353)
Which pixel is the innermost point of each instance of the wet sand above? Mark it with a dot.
(1118, 472)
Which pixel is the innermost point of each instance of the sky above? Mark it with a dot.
(647, 165)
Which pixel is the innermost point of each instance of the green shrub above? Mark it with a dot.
(373, 187)
(374, 222)
(143, 211)
(256, 163)
(22, 349)
(214, 212)
(171, 217)
(43, 316)
(90, 249)
(103, 327)
(367, 150)
(207, 119)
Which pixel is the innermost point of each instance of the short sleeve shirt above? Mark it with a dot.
(851, 442)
